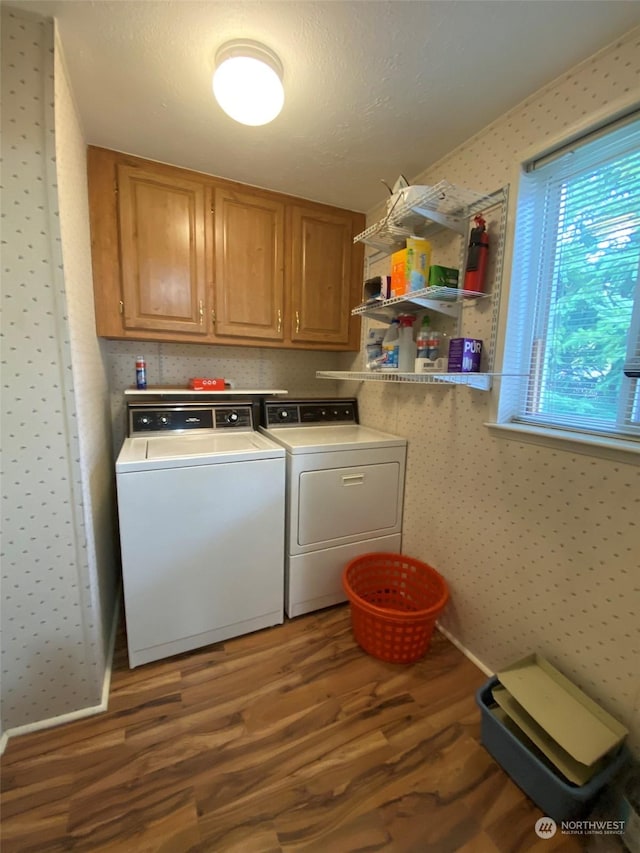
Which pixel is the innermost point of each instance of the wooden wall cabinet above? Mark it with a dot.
(150, 249)
(162, 245)
(320, 275)
(186, 257)
(249, 264)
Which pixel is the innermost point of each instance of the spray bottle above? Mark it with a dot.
(141, 373)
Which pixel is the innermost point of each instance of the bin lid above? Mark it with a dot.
(574, 771)
(578, 724)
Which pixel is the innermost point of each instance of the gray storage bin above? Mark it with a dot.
(556, 797)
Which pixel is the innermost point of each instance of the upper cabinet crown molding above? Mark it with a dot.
(186, 257)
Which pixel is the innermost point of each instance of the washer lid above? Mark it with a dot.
(320, 439)
(175, 451)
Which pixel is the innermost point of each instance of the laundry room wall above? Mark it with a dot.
(89, 362)
(541, 547)
(58, 562)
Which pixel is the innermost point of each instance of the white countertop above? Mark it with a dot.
(173, 391)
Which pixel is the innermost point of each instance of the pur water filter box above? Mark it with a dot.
(464, 355)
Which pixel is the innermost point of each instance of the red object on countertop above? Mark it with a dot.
(201, 384)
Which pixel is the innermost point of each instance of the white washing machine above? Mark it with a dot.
(345, 493)
(201, 507)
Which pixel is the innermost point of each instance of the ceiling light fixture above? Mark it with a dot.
(247, 82)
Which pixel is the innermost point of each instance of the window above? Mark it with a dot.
(573, 331)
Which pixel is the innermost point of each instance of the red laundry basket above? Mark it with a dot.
(395, 601)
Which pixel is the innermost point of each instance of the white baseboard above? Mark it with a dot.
(81, 713)
(482, 666)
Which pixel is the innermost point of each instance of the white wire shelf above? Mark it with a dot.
(445, 300)
(480, 381)
(442, 205)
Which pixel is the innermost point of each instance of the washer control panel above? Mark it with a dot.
(310, 412)
(184, 418)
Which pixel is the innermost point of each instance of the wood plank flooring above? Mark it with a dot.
(288, 739)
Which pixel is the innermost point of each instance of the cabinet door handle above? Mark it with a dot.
(213, 316)
(201, 312)
(121, 306)
(297, 322)
(279, 320)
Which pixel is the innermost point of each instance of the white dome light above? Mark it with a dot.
(247, 82)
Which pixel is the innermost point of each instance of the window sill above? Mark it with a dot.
(618, 450)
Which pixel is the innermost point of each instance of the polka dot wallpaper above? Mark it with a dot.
(52, 637)
(541, 547)
(89, 370)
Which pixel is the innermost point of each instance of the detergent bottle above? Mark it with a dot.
(390, 346)
(407, 347)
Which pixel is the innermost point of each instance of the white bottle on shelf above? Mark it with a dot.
(422, 340)
(390, 346)
(407, 347)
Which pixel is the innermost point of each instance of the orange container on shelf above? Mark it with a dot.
(416, 274)
(398, 272)
(395, 601)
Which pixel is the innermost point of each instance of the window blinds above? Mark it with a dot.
(576, 270)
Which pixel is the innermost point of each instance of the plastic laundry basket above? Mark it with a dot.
(395, 601)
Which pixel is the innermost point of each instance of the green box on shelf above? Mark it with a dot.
(440, 276)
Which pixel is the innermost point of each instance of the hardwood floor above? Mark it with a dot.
(288, 739)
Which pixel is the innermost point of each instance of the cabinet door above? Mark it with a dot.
(249, 282)
(162, 246)
(320, 275)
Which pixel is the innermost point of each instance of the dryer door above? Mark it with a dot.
(348, 503)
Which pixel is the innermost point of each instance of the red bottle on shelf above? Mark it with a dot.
(477, 257)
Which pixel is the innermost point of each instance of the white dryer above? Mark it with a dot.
(344, 494)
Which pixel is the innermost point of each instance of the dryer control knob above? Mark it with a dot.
(283, 415)
(232, 418)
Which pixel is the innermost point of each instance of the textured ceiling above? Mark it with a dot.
(373, 89)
